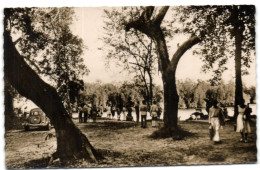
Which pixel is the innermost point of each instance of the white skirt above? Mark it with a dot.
(242, 125)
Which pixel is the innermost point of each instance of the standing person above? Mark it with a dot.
(85, 113)
(129, 106)
(216, 116)
(243, 119)
(113, 110)
(101, 110)
(94, 112)
(80, 114)
(159, 110)
(153, 112)
(118, 111)
(143, 110)
(137, 110)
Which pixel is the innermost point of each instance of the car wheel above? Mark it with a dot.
(27, 128)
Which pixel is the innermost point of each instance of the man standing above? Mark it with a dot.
(85, 113)
(94, 112)
(137, 109)
(80, 114)
(153, 112)
(143, 115)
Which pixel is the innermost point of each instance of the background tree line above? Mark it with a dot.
(192, 93)
(107, 94)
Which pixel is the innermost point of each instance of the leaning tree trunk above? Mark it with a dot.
(8, 105)
(71, 142)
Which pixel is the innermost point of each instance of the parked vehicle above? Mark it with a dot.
(37, 118)
(198, 115)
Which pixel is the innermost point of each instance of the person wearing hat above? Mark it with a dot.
(215, 117)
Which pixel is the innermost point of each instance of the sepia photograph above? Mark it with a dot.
(129, 86)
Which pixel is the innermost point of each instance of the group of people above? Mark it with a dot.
(217, 121)
(155, 112)
(86, 111)
(141, 111)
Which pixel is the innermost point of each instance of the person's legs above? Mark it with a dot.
(80, 117)
(242, 137)
(246, 135)
(85, 117)
(142, 121)
(137, 117)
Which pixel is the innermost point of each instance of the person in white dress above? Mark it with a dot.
(215, 116)
(243, 126)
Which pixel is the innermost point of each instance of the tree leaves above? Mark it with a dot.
(48, 44)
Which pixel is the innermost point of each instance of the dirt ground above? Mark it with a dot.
(127, 144)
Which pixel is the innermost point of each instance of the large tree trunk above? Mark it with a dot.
(71, 142)
(171, 100)
(238, 79)
(238, 31)
(9, 110)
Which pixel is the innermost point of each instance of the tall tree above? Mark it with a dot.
(234, 36)
(60, 61)
(71, 142)
(149, 23)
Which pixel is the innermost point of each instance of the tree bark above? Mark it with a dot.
(171, 100)
(71, 142)
(238, 32)
(238, 75)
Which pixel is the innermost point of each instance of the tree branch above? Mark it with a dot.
(158, 19)
(183, 48)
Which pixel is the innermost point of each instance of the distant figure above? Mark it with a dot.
(85, 113)
(143, 110)
(129, 106)
(216, 116)
(119, 106)
(94, 112)
(154, 115)
(101, 110)
(113, 110)
(159, 110)
(118, 111)
(137, 110)
(243, 119)
(80, 114)
(225, 111)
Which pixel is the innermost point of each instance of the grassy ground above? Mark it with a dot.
(127, 144)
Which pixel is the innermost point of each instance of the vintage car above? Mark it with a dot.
(198, 115)
(37, 118)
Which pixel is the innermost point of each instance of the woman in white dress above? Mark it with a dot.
(243, 125)
(215, 117)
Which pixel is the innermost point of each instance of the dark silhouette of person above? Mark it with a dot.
(144, 110)
(85, 113)
(129, 106)
(80, 114)
(94, 112)
(137, 110)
